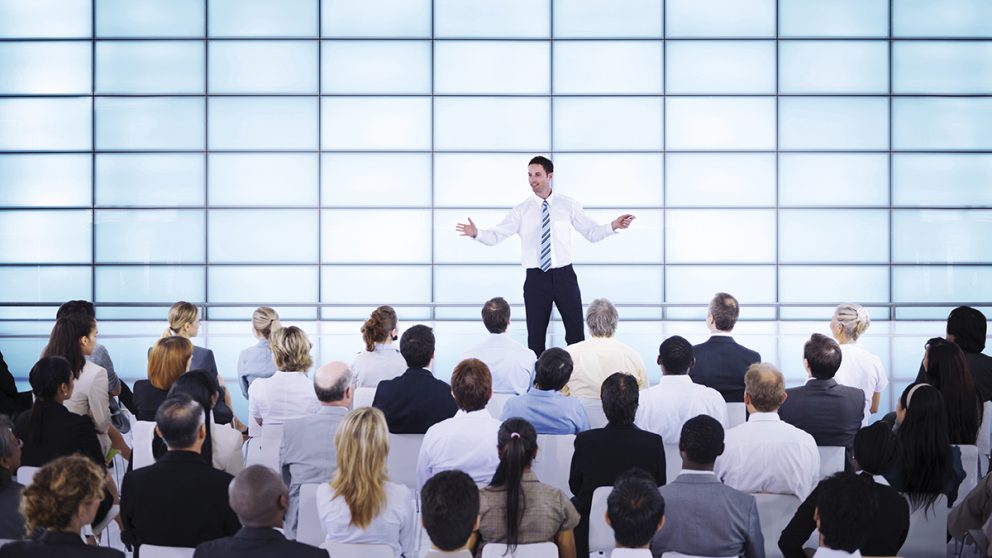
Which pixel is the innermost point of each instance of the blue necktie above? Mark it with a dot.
(545, 236)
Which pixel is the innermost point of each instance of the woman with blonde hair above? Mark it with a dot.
(255, 362)
(380, 360)
(858, 368)
(288, 393)
(168, 359)
(360, 505)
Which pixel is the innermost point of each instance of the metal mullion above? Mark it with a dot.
(93, 124)
(206, 160)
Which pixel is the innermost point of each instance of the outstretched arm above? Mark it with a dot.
(508, 226)
(593, 231)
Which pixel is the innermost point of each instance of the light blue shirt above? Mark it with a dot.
(549, 412)
(511, 364)
(255, 362)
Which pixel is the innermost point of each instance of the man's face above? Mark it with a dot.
(540, 181)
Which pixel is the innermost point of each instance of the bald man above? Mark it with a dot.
(308, 454)
(260, 499)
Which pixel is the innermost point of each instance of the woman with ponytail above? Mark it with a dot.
(256, 362)
(380, 360)
(858, 367)
(516, 508)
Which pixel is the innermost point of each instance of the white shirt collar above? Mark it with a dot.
(824, 552)
(675, 379)
(764, 417)
(550, 199)
(719, 333)
(693, 472)
(631, 553)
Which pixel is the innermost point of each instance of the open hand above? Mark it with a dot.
(467, 230)
(623, 221)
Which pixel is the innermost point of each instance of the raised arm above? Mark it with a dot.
(593, 231)
(509, 226)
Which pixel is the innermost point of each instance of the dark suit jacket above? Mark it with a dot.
(414, 401)
(11, 520)
(257, 543)
(178, 501)
(980, 366)
(11, 402)
(49, 431)
(146, 399)
(54, 543)
(720, 364)
(829, 412)
(203, 360)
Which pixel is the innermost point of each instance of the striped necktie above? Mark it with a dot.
(545, 236)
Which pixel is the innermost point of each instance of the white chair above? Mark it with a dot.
(497, 402)
(401, 464)
(142, 434)
(346, 550)
(594, 410)
(601, 537)
(534, 550)
(831, 460)
(309, 530)
(264, 449)
(112, 514)
(363, 397)
(153, 551)
(970, 458)
(554, 460)
(775, 511)
(927, 532)
(984, 439)
(25, 474)
(736, 414)
(673, 462)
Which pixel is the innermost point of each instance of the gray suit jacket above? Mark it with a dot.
(704, 517)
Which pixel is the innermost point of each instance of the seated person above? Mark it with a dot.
(11, 520)
(602, 355)
(721, 361)
(844, 514)
(449, 510)
(168, 359)
(510, 363)
(380, 360)
(223, 444)
(256, 361)
(636, 511)
(288, 393)
(544, 406)
(11, 402)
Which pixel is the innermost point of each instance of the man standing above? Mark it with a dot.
(542, 223)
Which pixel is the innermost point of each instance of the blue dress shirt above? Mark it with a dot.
(549, 412)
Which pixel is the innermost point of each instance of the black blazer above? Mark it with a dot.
(203, 360)
(828, 411)
(146, 399)
(252, 542)
(178, 501)
(980, 366)
(414, 401)
(49, 431)
(55, 543)
(720, 364)
(11, 402)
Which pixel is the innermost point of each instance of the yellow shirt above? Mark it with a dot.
(597, 358)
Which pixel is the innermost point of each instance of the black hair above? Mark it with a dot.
(620, 396)
(553, 369)
(846, 505)
(417, 346)
(702, 439)
(83, 307)
(675, 354)
(947, 370)
(178, 419)
(969, 327)
(876, 448)
(200, 387)
(925, 445)
(64, 340)
(46, 376)
(823, 356)
(516, 443)
(546, 163)
(496, 315)
(449, 506)
(635, 508)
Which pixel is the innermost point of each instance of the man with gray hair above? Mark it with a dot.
(307, 454)
(11, 520)
(721, 361)
(260, 499)
(596, 358)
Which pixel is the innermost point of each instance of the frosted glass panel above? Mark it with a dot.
(376, 180)
(825, 67)
(592, 67)
(44, 68)
(721, 18)
(263, 179)
(833, 123)
(942, 284)
(492, 18)
(610, 179)
(149, 67)
(703, 179)
(491, 67)
(149, 236)
(376, 18)
(833, 179)
(44, 180)
(263, 18)
(750, 284)
(720, 123)
(149, 283)
(720, 67)
(278, 236)
(45, 124)
(937, 180)
(263, 123)
(153, 180)
(947, 123)
(477, 284)
(45, 18)
(376, 67)
(942, 67)
(376, 123)
(450, 247)
(481, 123)
(623, 284)
(608, 123)
(488, 180)
(833, 236)
(941, 236)
(837, 18)
(45, 284)
(830, 284)
(711, 235)
(283, 284)
(151, 123)
(946, 18)
(45, 236)
(370, 283)
(642, 243)
(608, 18)
(400, 236)
(150, 18)
(263, 67)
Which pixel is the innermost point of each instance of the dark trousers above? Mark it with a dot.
(541, 289)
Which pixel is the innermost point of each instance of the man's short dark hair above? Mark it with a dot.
(620, 398)
(417, 346)
(675, 355)
(969, 327)
(702, 439)
(846, 506)
(635, 508)
(471, 385)
(178, 420)
(553, 369)
(546, 163)
(449, 505)
(725, 310)
(823, 356)
(83, 307)
(496, 315)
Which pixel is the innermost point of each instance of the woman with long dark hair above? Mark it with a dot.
(222, 446)
(947, 370)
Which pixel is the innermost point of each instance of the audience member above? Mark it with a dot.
(180, 500)
(947, 370)
(380, 360)
(288, 393)
(256, 361)
(967, 328)
(721, 361)
(972, 512)
(222, 446)
(636, 511)
(665, 407)
(449, 511)
(516, 508)
(845, 510)
(184, 321)
(466, 441)
(301, 460)
(601, 454)
(260, 499)
(544, 406)
(416, 400)
(169, 358)
(359, 505)
(858, 368)
(510, 363)
(596, 358)
(705, 516)
(11, 520)
(11, 401)
(766, 454)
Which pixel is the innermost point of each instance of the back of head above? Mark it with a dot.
(167, 360)
(83, 307)
(969, 327)
(362, 443)
(417, 346)
(948, 371)
(602, 318)
(178, 420)
(65, 338)
(449, 506)
(725, 311)
(635, 508)
(378, 327)
(331, 381)
(876, 448)
(823, 356)
(766, 386)
(256, 495)
(181, 314)
(553, 369)
(516, 443)
(675, 355)
(471, 384)
(58, 490)
(924, 442)
(852, 319)
(9, 449)
(846, 507)
(291, 349)
(702, 440)
(202, 388)
(265, 320)
(47, 375)
(496, 315)
(620, 397)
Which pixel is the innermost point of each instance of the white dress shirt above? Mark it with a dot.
(824, 552)
(466, 441)
(525, 219)
(863, 370)
(666, 407)
(280, 397)
(226, 451)
(383, 363)
(393, 526)
(595, 359)
(511, 364)
(766, 454)
(90, 398)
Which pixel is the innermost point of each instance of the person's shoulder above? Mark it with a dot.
(397, 492)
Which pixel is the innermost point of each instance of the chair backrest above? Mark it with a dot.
(736, 414)
(985, 440)
(601, 538)
(401, 464)
(970, 464)
(534, 550)
(831, 460)
(153, 551)
(264, 449)
(775, 511)
(142, 434)
(309, 529)
(363, 397)
(347, 550)
(673, 462)
(554, 460)
(594, 410)
(497, 402)
(927, 532)
(25, 474)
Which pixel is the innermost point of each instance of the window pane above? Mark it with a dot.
(721, 18)
(283, 284)
(608, 123)
(712, 235)
(623, 284)
(492, 18)
(473, 284)
(149, 236)
(942, 18)
(44, 236)
(263, 123)
(825, 67)
(45, 284)
(591, 67)
(833, 179)
(376, 67)
(376, 18)
(263, 18)
(150, 18)
(751, 284)
(491, 67)
(608, 179)
(143, 179)
(263, 179)
(833, 123)
(376, 180)
(937, 180)
(720, 123)
(702, 179)
(641, 243)
(481, 123)
(45, 180)
(608, 18)
(826, 284)
(150, 123)
(942, 67)
(45, 18)
(376, 123)
(833, 236)
(149, 283)
(720, 67)
(247, 235)
(941, 236)
(949, 284)
(263, 67)
(838, 18)
(149, 67)
(407, 284)
(405, 238)
(497, 180)
(45, 124)
(450, 247)
(945, 123)
(44, 68)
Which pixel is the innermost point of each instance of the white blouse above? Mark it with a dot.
(863, 370)
(280, 397)
(372, 367)
(226, 449)
(394, 526)
(90, 398)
